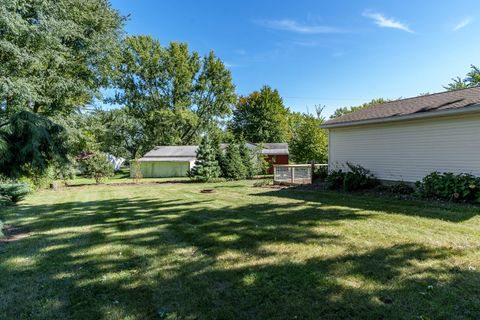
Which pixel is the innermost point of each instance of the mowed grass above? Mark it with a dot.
(168, 251)
(121, 177)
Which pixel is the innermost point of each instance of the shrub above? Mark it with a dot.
(335, 179)
(357, 178)
(98, 167)
(13, 192)
(398, 188)
(449, 186)
(320, 173)
(401, 188)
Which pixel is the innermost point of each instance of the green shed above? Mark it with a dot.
(167, 161)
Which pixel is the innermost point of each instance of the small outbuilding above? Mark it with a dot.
(167, 161)
(407, 139)
(176, 161)
(275, 154)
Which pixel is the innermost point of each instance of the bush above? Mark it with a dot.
(401, 188)
(335, 179)
(449, 186)
(320, 173)
(14, 192)
(98, 167)
(357, 178)
(398, 188)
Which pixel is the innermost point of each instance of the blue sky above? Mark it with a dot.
(332, 53)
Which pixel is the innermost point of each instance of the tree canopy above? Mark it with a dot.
(29, 144)
(261, 117)
(55, 55)
(472, 79)
(345, 110)
(309, 142)
(174, 93)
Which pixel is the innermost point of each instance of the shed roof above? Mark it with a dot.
(167, 159)
(187, 153)
(172, 151)
(431, 104)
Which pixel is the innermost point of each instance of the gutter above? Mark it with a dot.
(443, 113)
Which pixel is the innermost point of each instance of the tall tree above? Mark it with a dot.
(472, 79)
(345, 110)
(123, 135)
(174, 93)
(261, 117)
(55, 55)
(309, 141)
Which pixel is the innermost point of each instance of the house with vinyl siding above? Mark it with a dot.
(405, 140)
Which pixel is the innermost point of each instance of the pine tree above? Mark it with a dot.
(206, 166)
(234, 169)
(247, 157)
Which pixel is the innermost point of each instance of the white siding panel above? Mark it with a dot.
(409, 150)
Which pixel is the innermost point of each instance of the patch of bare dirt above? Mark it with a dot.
(12, 233)
(117, 184)
(207, 191)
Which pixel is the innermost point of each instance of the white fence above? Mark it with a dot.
(292, 173)
(295, 173)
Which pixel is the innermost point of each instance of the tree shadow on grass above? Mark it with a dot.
(443, 211)
(152, 258)
(383, 283)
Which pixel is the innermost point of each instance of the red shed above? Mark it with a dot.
(275, 153)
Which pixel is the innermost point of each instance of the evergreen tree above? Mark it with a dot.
(247, 157)
(234, 169)
(206, 166)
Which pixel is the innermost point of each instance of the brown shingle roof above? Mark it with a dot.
(429, 103)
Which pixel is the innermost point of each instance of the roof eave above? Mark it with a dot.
(442, 113)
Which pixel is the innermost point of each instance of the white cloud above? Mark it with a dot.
(241, 52)
(307, 43)
(230, 65)
(462, 24)
(294, 26)
(384, 22)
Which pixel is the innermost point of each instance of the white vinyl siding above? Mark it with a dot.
(409, 150)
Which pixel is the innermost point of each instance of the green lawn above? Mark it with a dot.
(167, 251)
(121, 176)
